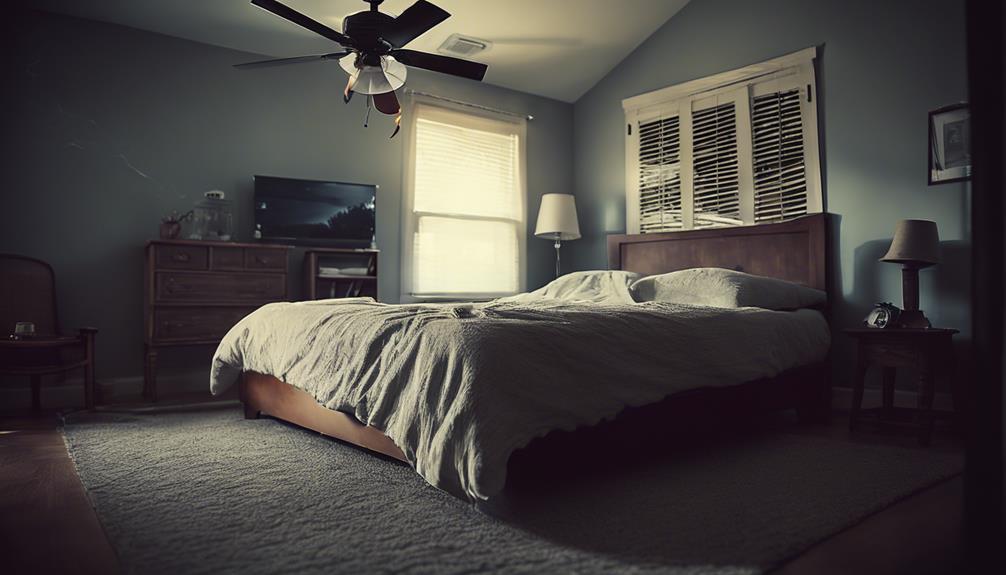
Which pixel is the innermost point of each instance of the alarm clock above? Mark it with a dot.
(883, 315)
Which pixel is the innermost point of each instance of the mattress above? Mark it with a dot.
(460, 387)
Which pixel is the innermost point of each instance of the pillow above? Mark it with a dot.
(602, 286)
(719, 287)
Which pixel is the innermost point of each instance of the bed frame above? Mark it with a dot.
(794, 251)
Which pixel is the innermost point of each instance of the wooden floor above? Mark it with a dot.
(921, 535)
(47, 524)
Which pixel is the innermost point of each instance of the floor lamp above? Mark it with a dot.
(557, 221)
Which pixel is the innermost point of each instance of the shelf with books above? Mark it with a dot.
(325, 273)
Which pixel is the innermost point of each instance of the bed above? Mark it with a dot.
(793, 251)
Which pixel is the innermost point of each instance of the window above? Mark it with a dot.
(465, 205)
(733, 149)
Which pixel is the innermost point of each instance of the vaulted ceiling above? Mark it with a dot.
(553, 48)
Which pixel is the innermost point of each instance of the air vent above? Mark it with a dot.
(463, 46)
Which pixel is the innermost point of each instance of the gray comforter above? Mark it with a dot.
(460, 387)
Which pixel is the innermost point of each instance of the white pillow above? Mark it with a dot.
(601, 286)
(719, 287)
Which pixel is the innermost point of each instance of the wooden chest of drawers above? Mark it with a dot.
(196, 291)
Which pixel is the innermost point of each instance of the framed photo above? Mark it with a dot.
(950, 144)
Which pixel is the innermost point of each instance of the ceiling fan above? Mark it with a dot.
(373, 53)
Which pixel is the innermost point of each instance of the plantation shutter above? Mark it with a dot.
(715, 175)
(659, 175)
(780, 178)
(738, 148)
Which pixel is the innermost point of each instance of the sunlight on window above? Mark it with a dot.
(467, 205)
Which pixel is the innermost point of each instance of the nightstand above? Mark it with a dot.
(929, 352)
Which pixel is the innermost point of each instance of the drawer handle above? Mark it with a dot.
(181, 257)
(261, 260)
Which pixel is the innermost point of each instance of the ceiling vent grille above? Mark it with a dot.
(463, 46)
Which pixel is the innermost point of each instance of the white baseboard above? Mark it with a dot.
(841, 399)
(70, 392)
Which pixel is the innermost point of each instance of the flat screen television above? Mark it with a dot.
(314, 212)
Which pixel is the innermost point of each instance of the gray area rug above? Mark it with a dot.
(206, 491)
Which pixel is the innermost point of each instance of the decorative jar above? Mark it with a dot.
(211, 218)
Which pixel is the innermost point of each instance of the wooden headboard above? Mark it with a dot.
(793, 250)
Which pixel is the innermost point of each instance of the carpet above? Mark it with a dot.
(202, 490)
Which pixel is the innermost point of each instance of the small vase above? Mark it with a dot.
(170, 230)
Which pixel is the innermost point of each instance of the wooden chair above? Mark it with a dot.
(28, 294)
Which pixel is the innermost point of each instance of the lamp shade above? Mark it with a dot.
(387, 77)
(557, 217)
(915, 242)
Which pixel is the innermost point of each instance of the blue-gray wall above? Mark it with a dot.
(882, 66)
(107, 128)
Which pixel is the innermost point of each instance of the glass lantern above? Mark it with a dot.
(211, 218)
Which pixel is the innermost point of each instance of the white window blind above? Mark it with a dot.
(733, 149)
(465, 206)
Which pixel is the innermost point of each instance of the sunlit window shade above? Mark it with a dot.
(468, 204)
(659, 175)
(780, 178)
(465, 172)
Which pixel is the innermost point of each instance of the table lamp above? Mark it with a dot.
(557, 221)
(916, 245)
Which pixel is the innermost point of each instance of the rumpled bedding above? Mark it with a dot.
(459, 387)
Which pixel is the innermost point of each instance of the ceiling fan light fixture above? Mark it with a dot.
(369, 80)
(372, 50)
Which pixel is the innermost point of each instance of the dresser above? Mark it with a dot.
(197, 290)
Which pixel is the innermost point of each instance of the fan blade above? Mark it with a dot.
(295, 60)
(387, 103)
(398, 125)
(412, 23)
(442, 64)
(296, 17)
(347, 94)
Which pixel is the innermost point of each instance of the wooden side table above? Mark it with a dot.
(929, 352)
(40, 355)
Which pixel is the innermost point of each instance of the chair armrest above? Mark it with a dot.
(87, 337)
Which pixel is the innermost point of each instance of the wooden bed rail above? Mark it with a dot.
(264, 394)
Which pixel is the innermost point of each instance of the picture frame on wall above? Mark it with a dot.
(950, 144)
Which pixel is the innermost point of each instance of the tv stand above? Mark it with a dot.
(319, 284)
